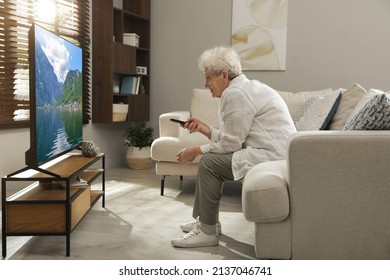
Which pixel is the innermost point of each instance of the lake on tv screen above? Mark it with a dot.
(59, 130)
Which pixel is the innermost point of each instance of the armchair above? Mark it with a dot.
(172, 138)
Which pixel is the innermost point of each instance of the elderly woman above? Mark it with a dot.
(254, 127)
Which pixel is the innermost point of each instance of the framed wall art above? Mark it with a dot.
(259, 33)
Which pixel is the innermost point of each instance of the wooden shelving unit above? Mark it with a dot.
(51, 205)
(112, 59)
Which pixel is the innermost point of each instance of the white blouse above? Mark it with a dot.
(254, 125)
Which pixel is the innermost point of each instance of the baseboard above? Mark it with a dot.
(115, 161)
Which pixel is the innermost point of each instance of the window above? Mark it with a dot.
(68, 18)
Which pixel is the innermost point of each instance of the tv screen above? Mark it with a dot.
(56, 91)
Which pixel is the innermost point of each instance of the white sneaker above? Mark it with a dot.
(195, 238)
(187, 227)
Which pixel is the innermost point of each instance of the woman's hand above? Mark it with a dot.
(195, 125)
(188, 155)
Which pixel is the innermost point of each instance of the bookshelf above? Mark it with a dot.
(117, 53)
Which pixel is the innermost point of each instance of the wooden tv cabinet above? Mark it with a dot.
(51, 199)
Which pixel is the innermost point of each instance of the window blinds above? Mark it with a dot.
(68, 18)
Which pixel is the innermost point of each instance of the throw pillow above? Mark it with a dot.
(363, 101)
(317, 112)
(348, 101)
(296, 100)
(375, 115)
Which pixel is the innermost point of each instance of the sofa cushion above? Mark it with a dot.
(296, 100)
(317, 112)
(166, 148)
(264, 194)
(205, 107)
(363, 101)
(350, 97)
(374, 115)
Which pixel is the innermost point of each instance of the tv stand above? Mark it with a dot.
(55, 198)
(36, 168)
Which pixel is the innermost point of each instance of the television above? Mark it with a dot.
(56, 92)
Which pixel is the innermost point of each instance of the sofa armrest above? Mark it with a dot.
(169, 128)
(264, 193)
(339, 187)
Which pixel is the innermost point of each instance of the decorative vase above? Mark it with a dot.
(89, 149)
(138, 158)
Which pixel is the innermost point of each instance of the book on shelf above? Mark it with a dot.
(79, 183)
(76, 182)
(130, 84)
(137, 85)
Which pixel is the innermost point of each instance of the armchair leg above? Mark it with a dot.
(163, 181)
(162, 185)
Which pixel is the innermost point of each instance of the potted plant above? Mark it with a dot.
(138, 138)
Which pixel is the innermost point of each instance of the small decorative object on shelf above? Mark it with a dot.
(119, 112)
(131, 39)
(89, 149)
(141, 70)
(118, 4)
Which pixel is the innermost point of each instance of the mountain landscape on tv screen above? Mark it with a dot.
(49, 91)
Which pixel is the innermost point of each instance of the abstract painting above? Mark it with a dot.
(259, 33)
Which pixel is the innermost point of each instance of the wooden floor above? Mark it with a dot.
(138, 224)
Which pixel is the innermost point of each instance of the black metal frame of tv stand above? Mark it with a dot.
(57, 178)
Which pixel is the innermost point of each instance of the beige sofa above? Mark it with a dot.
(330, 199)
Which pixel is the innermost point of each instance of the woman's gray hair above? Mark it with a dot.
(218, 59)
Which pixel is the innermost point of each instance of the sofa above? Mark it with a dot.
(330, 199)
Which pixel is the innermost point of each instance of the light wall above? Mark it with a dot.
(331, 43)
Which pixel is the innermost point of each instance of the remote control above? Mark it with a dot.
(178, 121)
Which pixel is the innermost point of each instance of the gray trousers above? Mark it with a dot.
(213, 170)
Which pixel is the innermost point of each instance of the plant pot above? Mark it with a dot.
(138, 158)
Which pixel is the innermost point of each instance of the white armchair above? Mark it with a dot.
(173, 138)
